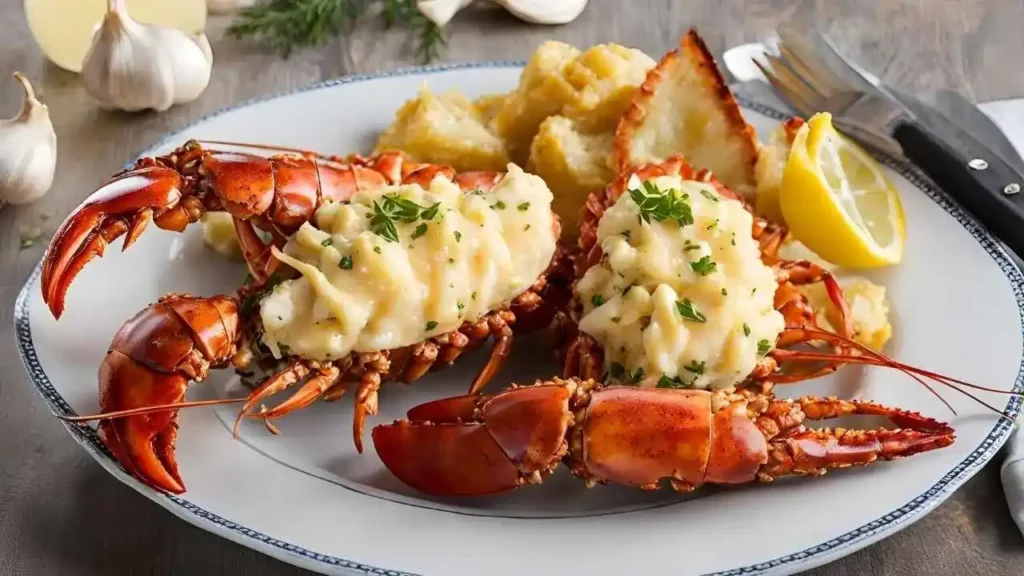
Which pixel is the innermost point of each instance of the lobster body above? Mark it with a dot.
(637, 437)
(176, 341)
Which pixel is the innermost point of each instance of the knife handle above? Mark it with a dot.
(974, 176)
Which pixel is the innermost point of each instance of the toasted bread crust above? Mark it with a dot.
(691, 60)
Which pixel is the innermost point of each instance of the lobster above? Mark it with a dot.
(606, 430)
(155, 356)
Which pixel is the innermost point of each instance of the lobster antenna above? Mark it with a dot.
(273, 148)
(148, 410)
(878, 359)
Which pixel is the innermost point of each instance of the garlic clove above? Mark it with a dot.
(441, 12)
(545, 11)
(227, 6)
(190, 64)
(132, 66)
(28, 150)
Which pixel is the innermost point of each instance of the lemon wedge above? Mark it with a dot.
(838, 202)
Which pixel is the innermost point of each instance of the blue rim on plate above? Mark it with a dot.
(909, 512)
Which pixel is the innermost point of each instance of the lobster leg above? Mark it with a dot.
(151, 361)
(798, 450)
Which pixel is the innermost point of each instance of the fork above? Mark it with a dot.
(966, 169)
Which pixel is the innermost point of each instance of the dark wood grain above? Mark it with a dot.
(61, 514)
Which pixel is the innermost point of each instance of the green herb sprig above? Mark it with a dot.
(285, 25)
(393, 208)
(661, 205)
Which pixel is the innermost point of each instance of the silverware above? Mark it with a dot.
(953, 106)
(965, 168)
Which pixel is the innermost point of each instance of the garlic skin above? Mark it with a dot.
(441, 12)
(132, 66)
(28, 150)
(227, 6)
(552, 12)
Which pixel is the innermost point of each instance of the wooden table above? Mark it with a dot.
(61, 514)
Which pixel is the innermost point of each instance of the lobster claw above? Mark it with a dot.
(151, 362)
(125, 204)
(518, 438)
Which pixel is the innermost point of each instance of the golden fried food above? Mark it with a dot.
(869, 309)
(444, 129)
(684, 107)
(592, 88)
(573, 163)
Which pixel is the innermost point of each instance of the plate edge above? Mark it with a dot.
(809, 557)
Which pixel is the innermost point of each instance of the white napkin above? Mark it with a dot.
(1009, 116)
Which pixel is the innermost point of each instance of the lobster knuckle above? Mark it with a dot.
(212, 335)
(530, 423)
(244, 182)
(296, 196)
(738, 447)
(156, 337)
(638, 436)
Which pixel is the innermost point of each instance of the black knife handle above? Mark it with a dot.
(974, 176)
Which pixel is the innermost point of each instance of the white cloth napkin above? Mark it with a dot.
(1009, 115)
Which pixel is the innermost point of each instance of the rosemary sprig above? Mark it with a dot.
(285, 25)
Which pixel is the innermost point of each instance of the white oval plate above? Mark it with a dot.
(306, 497)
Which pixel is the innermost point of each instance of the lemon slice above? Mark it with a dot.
(838, 202)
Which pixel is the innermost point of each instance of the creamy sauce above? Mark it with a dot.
(684, 301)
(458, 257)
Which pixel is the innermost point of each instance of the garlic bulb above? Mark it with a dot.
(132, 66)
(227, 6)
(545, 11)
(441, 12)
(28, 150)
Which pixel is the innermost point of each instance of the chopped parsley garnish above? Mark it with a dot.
(661, 205)
(674, 382)
(733, 241)
(709, 195)
(597, 300)
(431, 325)
(345, 263)
(688, 310)
(523, 207)
(689, 247)
(746, 329)
(616, 371)
(713, 225)
(473, 296)
(458, 236)
(451, 260)
(695, 367)
(420, 230)
(636, 376)
(763, 346)
(704, 266)
(616, 319)
(382, 224)
(525, 228)
(327, 242)
(725, 292)
(376, 249)
(460, 305)
(430, 212)
(393, 208)
(499, 205)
